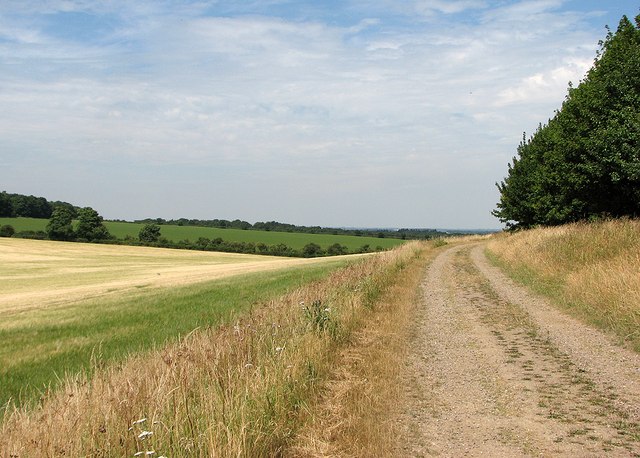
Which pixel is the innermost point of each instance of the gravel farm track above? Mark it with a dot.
(496, 371)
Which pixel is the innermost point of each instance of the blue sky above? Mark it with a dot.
(338, 113)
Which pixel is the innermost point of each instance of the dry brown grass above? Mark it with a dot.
(241, 390)
(593, 270)
(356, 415)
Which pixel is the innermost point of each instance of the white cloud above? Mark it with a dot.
(361, 106)
(545, 86)
(429, 7)
(524, 10)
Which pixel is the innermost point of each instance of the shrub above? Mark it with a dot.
(7, 231)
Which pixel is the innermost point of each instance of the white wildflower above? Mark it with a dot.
(137, 422)
(145, 434)
(279, 349)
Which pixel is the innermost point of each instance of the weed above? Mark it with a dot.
(438, 242)
(318, 315)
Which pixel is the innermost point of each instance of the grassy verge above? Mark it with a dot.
(355, 416)
(238, 390)
(41, 347)
(590, 270)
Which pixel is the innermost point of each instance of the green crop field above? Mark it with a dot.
(25, 224)
(65, 307)
(176, 233)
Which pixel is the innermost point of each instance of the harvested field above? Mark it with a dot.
(69, 307)
(39, 274)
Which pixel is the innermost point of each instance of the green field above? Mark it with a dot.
(50, 327)
(176, 233)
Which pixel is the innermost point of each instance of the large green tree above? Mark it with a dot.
(150, 233)
(585, 162)
(59, 227)
(90, 225)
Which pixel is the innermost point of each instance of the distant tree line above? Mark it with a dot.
(274, 226)
(585, 162)
(86, 225)
(19, 205)
(150, 235)
(68, 222)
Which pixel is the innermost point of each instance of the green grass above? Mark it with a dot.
(176, 233)
(37, 352)
(25, 224)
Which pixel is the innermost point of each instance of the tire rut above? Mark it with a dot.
(486, 378)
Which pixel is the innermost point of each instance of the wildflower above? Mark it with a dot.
(137, 422)
(279, 349)
(145, 434)
(248, 365)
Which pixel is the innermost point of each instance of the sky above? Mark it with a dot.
(353, 113)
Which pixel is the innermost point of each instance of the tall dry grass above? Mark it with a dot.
(240, 390)
(591, 269)
(356, 414)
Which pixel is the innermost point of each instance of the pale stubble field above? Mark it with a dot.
(37, 274)
(65, 307)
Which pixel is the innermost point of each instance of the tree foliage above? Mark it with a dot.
(90, 225)
(7, 230)
(275, 226)
(336, 249)
(311, 250)
(20, 205)
(60, 227)
(150, 233)
(6, 208)
(585, 162)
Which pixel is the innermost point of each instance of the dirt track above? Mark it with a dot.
(495, 371)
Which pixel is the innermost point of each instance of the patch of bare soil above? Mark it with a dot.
(496, 371)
